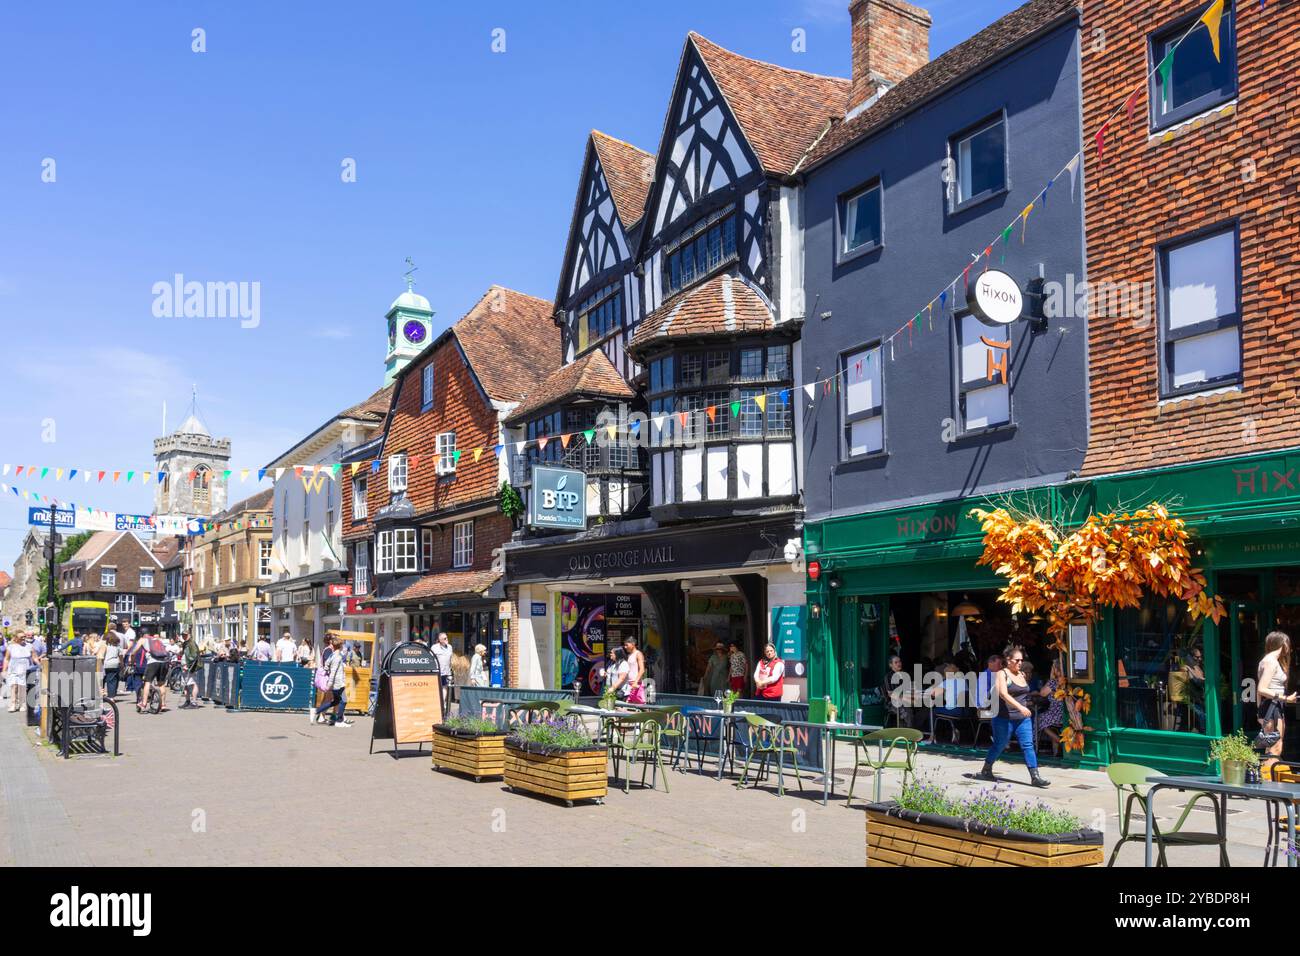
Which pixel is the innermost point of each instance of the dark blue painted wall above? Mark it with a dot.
(923, 248)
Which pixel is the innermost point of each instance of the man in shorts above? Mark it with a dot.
(155, 671)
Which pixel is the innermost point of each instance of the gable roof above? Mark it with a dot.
(5, 580)
(101, 542)
(961, 62)
(372, 409)
(781, 111)
(628, 172)
(724, 305)
(258, 502)
(510, 342)
(591, 375)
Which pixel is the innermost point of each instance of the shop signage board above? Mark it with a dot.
(788, 626)
(410, 697)
(132, 523)
(558, 499)
(995, 297)
(538, 609)
(338, 590)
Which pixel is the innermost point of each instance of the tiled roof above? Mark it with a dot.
(593, 374)
(5, 580)
(721, 306)
(258, 502)
(373, 409)
(782, 111)
(628, 171)
(446, 585)
(962, 61)
(511, 342)
(95, 546)
(166, 550)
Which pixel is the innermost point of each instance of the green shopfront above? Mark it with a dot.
(906, 582)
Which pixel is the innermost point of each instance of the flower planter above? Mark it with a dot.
(567, 775)
(897, 837)
(469, 752)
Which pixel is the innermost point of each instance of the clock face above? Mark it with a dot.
(414, 332)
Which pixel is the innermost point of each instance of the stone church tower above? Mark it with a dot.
(193, 464)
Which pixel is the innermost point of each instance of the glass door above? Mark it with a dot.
(860, 657)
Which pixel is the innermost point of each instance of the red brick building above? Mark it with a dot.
(420, 506)
(123, 571)
(1193, 248)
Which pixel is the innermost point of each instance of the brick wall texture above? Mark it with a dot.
(1239, 163)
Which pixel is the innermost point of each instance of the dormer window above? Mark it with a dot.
(397, 473)
(700, 251)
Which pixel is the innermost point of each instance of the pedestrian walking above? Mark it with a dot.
(442, 651)
(738, 665)
(635, 671)
(715, 679)
(19, 656)
(336, 675)
(1014, 716)
(263, 651)
(285, 649)
(1274, 670)
(478, 667)
(110, 663)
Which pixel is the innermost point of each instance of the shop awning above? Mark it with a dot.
(450, 585)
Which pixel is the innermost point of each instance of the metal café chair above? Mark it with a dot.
(637, 738)
(1130, 779)
(904, 738)
(767, 740)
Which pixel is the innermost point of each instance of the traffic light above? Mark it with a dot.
(40, 615)
(135, 621)
(28, 619)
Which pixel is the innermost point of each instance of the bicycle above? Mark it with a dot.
(175, 679)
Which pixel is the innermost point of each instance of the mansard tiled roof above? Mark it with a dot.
(447, 585)
(592, 375)
(959, 63)
(782, 111)
(628, 171)
(511, 342)
(723, 305)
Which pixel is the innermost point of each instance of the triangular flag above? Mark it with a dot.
(478, 453)
(243, 475)
(1073, 167)
(6, 469)
(785, 396)
(564, 440)
(658, 421)
(280, 471)
(455, 457)
(682, 417)
(162, 475)
(711, 411)
(1024, 218)
(735, 409)
(88, 475)
(117, 475)
(811, 390)
(128, 476)
(1132, 103)
(297, 471)
(338, 466)
(225, 475)
(355, 466)
(635, 428)
(44, 472)
(101, 475)
(144, 477)
(761, 402)
(519, 447)
(1166, 72)
(498, 449)
(1212, 18)
(374, 468)
(590, 435)
(612, 430)
(58, 474)
(1101, 139)
(541, 442)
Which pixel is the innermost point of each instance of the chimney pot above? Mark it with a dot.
(891, 41)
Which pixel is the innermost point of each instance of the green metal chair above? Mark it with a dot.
(637, 738)
(904, 739)
(673, 730)
(767, 740)
(533, 711)
(1130, 779)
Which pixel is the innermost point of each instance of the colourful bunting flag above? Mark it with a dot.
(355, 466)
(130, 474)
(455, 457)
(374, 467)
(478, 453)
(735, 409)
(761, 402)
(541, 443)
(498, 449)
(564, 440)
(711, 411)
(590, 436)
(1212, 19)
(58, 474)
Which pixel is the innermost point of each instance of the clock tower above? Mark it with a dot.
(410, 323)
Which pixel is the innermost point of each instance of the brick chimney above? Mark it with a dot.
(891, 40)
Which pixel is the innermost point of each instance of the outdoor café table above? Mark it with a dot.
(1283, 793)
(724, 721)
(828, 746)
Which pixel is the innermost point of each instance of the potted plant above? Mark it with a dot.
(469, 745)
(608, 699)
(926, 827)
(729, 700)
(1234, 754)
(556, 758)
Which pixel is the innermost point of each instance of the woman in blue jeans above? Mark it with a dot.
(1014, 716)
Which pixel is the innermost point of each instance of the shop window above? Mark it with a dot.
(1159, 668)
(864, 403)
(980, 158)
(861, 223)
(1197, 79)
(1200, 313)
(983, 374)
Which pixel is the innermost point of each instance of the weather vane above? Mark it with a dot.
(409, 275)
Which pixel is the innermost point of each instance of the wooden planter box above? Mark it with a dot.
(475, 754)
(566, 775)
(905, 838)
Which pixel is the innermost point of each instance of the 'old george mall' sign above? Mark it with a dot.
(558, 499)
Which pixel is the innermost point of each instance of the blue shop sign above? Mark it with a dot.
(788, 631)
(274, 686)
(62, 518)
(558, 499)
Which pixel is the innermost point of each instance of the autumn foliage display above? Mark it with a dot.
(1112, 560)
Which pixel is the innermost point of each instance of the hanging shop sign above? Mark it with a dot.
(995, 297)
(132, 523)
(558, 499)
(338, 590)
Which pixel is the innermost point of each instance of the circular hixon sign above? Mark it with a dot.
(276, 687)
(995, 297)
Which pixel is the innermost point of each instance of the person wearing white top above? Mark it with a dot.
(285, 649)
(19, 656)
(478, 671)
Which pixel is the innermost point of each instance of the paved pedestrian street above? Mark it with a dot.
(218, 788)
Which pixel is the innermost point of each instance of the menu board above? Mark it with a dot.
(417, 706)
(1080, 660)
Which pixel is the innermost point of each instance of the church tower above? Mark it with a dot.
(410, 323)
(192, 464)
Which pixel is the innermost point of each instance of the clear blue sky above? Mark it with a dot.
(225, 166)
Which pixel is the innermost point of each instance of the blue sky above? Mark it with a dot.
(225, 166)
